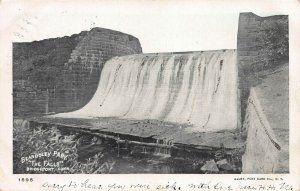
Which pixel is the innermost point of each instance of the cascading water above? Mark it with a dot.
(198, 88)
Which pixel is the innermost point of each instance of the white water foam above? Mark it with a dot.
(198, 88)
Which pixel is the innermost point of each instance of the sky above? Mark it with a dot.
(162, 26)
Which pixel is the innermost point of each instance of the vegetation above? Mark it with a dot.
(276, 44)
(28, 142)
(273, 47)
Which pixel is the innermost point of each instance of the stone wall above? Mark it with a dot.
(263, 67)
(37, 68)
(62, 74)
(262, 47)
(261, 154)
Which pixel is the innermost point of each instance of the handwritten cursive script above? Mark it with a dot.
(87, 184)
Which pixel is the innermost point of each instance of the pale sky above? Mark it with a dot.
(162, 26)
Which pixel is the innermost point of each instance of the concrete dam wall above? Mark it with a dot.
(196, 88)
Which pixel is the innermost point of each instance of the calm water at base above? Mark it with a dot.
(126, 162)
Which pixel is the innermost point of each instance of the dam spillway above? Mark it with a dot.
(194, 88)
(185, 105)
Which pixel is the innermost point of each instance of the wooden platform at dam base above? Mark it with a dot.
(149, 134)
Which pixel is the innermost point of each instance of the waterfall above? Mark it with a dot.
(198, 88)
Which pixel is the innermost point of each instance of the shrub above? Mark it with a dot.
(27, 141)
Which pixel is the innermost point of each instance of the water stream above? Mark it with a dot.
(198, 88)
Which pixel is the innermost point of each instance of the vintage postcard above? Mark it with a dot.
(149, 95)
